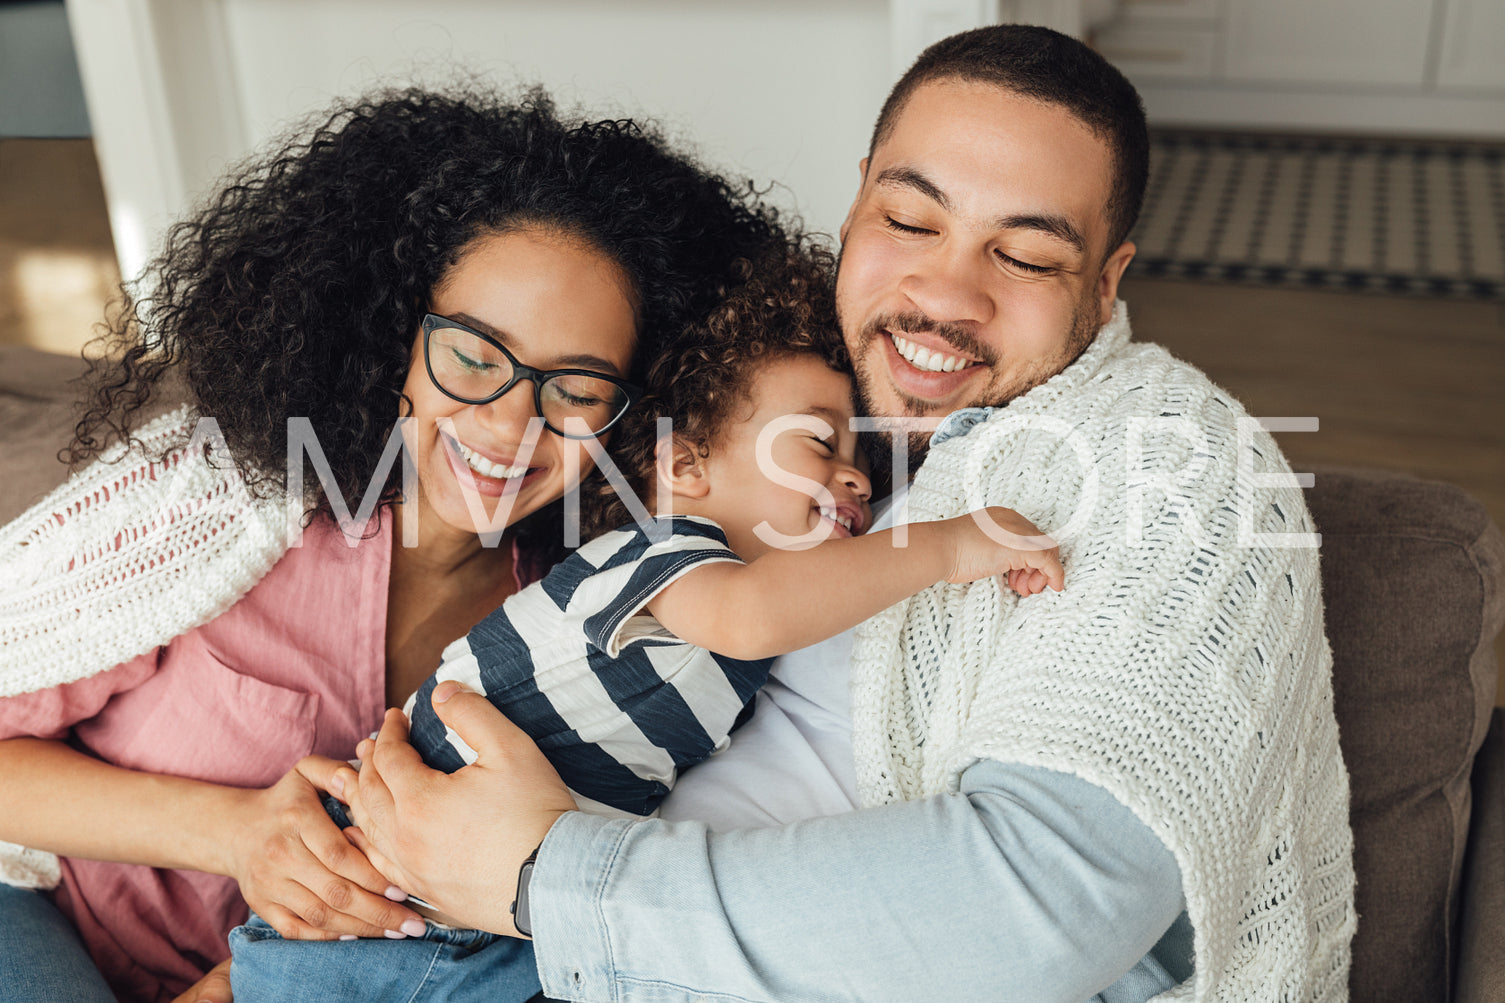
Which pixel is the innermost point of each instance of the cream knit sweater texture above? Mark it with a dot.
(142, 545)
(1183, 669)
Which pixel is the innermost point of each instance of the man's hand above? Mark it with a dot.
(212, 988)
(297, 870)
(456, 840)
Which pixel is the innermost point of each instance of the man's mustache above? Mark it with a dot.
(914, 322)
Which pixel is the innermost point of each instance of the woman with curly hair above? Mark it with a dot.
(169, 656)
(635, 658)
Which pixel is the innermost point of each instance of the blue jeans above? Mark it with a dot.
(41, 957)
(454, 966)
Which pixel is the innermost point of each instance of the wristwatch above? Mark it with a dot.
(520, 918)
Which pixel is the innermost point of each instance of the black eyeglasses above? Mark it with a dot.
(474, 369)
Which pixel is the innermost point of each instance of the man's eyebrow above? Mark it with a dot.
(1050, 224)
(908, 177)
(579, 361)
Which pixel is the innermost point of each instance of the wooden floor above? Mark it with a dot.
(1401, 383)
(1406, 384)
(57, 262)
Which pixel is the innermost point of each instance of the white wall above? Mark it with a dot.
(780, 90)
(783, 90)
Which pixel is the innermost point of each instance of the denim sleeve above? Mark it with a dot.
(1026, 885)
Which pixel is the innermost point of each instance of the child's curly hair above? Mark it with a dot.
(785, 305)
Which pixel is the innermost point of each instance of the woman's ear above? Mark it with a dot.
(680, 469)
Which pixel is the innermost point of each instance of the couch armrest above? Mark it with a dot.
(1481, 929)
(1413, 581)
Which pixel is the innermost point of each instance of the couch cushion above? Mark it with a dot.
(1411, 575)
(38, 397)
(37, 413)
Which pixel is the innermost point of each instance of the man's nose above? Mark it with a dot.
(949, 285)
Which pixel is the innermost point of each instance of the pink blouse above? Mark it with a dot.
(297, 666)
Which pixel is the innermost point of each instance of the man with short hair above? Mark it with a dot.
(1103, 793)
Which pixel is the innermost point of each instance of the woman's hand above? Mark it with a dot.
(297, 870)
(456, 840)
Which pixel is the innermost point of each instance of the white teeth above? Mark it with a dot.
(843, 520)
(485, 467)
(930, 360)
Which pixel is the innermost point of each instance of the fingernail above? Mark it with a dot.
(394, 935)
(395, 894)
(445, 690)
(349, 936)
(337, 786)
(413, 927)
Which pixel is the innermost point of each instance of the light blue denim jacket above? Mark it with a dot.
(1027, 885)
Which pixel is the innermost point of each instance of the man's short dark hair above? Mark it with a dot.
(1048, 66)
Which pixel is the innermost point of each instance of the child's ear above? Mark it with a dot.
(680, 468)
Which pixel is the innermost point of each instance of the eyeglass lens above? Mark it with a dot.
(472, 369)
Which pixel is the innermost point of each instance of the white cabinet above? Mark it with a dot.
(1328, 41)
(1164, 38)
(1142, 51)
(1387, 66)
(1173, 10)
(1473, 45)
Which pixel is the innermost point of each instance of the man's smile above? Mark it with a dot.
(928, 373)
(931, 360)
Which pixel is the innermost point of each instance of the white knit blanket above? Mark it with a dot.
(129, 553)
(1184, 668)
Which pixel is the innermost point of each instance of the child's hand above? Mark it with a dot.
(1000, 541)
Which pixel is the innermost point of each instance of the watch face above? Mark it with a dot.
(520, 916)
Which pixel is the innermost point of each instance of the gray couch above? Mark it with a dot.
(1412, 574)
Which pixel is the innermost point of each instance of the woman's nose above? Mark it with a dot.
(507, 417)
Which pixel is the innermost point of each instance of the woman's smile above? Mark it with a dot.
(549, 301)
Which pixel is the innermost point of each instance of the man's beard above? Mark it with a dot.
(879, 445)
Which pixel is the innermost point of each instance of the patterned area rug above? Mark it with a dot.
(1397, 216)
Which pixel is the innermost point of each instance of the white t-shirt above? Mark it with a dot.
(793, 760)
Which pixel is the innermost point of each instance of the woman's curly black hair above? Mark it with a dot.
(298, 289)
(702, 379)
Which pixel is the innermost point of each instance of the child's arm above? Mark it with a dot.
(789, 599)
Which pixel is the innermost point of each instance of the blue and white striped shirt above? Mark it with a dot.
(617, 703)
